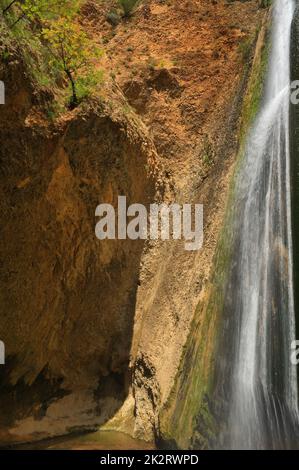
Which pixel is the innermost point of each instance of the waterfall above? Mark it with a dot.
(261, 382)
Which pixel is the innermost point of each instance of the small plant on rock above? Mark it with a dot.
(127, 6)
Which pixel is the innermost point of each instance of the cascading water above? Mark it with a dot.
(261, 383)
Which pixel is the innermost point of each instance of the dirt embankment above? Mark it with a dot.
(90, 327)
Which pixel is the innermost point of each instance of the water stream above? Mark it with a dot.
(261, 383)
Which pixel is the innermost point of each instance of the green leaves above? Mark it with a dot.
(47, 10)
(70, 44)
(72, 50)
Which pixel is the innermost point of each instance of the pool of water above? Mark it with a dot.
(100, 440)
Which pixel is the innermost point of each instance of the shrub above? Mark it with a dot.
(87, 84)
(127, 6)
(72, 51)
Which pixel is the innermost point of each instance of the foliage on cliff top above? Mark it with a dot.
(51, 28)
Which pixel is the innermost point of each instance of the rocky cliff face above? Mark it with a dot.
(67, 300)
(96, 330)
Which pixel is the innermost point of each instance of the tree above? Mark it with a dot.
(72, 50)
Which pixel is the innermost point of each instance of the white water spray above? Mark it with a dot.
(263, 385)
